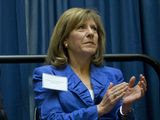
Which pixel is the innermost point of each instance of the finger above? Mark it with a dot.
(123, 84)
(107, 94)
(117, 93)
(143, 82)
(110, 85)
(116, 90)
(142, 78)
(142, 92)
(121, 88)
(132, 81)
(143, 85)
(113, 99)
(119, 97)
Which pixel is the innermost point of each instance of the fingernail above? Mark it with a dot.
(133, 77)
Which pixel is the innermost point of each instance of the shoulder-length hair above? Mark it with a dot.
(70, 19)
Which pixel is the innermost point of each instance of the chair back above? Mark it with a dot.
(36, 114)
(3, 115)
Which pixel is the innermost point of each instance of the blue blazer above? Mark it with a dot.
(76, 103)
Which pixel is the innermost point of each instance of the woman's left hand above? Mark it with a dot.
(134, 92)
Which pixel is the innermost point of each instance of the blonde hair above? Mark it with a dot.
(69, 20)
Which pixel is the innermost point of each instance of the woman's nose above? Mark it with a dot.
(90, 32)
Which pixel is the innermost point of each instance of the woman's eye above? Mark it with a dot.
(94, 28)
(81, 27)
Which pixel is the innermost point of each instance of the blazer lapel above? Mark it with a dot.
(99, 83)
(76, 86)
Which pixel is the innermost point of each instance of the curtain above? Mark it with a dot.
(14, 83)
(132, 26)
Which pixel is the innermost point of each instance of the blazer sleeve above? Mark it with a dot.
(49, 106)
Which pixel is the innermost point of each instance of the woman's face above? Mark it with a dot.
(83, 40)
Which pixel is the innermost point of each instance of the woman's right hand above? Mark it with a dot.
(113, 94)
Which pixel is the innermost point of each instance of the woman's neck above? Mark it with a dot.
(80, 65)
(82, 69)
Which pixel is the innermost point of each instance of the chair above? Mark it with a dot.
(3, 115)
(36, 114)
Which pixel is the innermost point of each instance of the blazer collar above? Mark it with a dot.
(76, 85)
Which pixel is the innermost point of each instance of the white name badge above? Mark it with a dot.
(54, 82)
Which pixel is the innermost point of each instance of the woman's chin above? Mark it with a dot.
(89, 52)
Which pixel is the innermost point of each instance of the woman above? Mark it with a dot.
(94, 91)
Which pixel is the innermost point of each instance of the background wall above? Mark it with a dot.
(132, 26)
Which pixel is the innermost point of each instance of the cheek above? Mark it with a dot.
(97, 40)
(76, 36)
(74, 41)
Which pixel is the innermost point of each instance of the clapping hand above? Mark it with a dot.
(134, 93)
(126, 91)
(112, 96)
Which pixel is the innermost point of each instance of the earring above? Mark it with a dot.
(66, 45)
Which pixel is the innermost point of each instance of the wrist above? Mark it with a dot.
(100, 111)
(126, 108)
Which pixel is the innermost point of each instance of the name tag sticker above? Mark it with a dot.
(54, 82)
